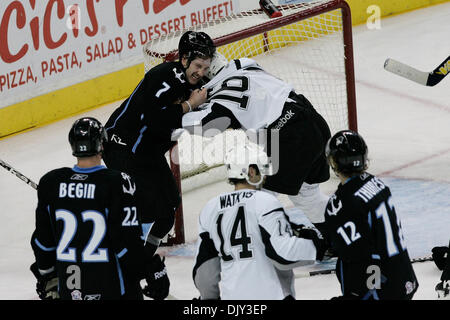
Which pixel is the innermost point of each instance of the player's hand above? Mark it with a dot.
(310, 233)
(158, 282)
(198, 97)
(47, 284)
(443, 290)
(440, 256)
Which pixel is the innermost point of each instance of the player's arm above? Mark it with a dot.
(43, 244)
(349, 234)
(212, 119)
(282, 247)
(125, 228)
(43, 241)
(206, 272)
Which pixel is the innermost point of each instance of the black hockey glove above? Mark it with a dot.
(301, 231)
(440, 256)
(443, 290)
(47, 284)
(158, 282)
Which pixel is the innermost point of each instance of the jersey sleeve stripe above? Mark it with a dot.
(274, 210)
(44, 248)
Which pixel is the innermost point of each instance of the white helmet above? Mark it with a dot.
(239, 158)
(217, 63)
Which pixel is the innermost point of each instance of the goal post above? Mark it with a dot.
(309, 47)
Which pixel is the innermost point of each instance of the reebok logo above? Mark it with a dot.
(79, 177)
(284, 119)
(160, 274)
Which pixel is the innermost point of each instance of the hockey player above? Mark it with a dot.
(441, 256)
(245, 240)
(140, 131)
(364, 229)
(87, 238)
(241, 95)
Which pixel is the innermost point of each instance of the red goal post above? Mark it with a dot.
(309, 46)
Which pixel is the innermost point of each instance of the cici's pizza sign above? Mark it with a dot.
(22, 16)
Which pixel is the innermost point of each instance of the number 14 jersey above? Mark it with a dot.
(245, 236)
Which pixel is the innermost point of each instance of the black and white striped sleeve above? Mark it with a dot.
(281, 246)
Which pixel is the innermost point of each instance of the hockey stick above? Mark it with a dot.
(424, 78)
(18, 174)
(331, 271)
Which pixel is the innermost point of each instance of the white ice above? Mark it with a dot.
(404, 124)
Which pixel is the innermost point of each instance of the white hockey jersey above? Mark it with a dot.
(255, 97)
(246, 244)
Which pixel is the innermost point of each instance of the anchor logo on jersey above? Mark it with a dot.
(132, 187)
(334, 210)
(178, 75)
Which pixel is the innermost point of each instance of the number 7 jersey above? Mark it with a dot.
(254, 97)
(245, 236)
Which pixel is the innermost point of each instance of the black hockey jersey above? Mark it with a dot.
(87, 227)
(366, 233)
(144, 122)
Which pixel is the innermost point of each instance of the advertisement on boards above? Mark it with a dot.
(48, 45)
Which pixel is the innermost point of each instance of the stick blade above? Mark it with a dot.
(406, 71)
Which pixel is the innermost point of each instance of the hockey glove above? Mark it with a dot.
(439, 256)
(47, 284)
(158, 282)
(301, 231)
(443, 290)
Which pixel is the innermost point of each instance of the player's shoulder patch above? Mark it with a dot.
(128, 184)
(334, 205)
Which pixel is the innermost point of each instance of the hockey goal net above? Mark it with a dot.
(309, 46)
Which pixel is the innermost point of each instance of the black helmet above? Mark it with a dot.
(196, 45)
(86, 137)
(348, 151)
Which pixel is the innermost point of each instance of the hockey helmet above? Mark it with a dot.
(217, 63)
(348, 152)
(86, 137)
(196, 45)
(238, 160)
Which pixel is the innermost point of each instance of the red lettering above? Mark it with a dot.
(143, 36)
(13, 84)
(160, 5)
(52, 67)
(176, 24)
(30, 76)
(183, 18)
(5, 54)
(44, 68)
(34, 26)
(119, 45)
(92, 17)
(214, 12)
(208, 13)
(119, 11)
(21, 80)
(2, 82)
(220, 10)
(74, 13)
(194, 19)
(49, 42)
(226, 7)
(89, 54)
(97, 53)
(146, 5)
